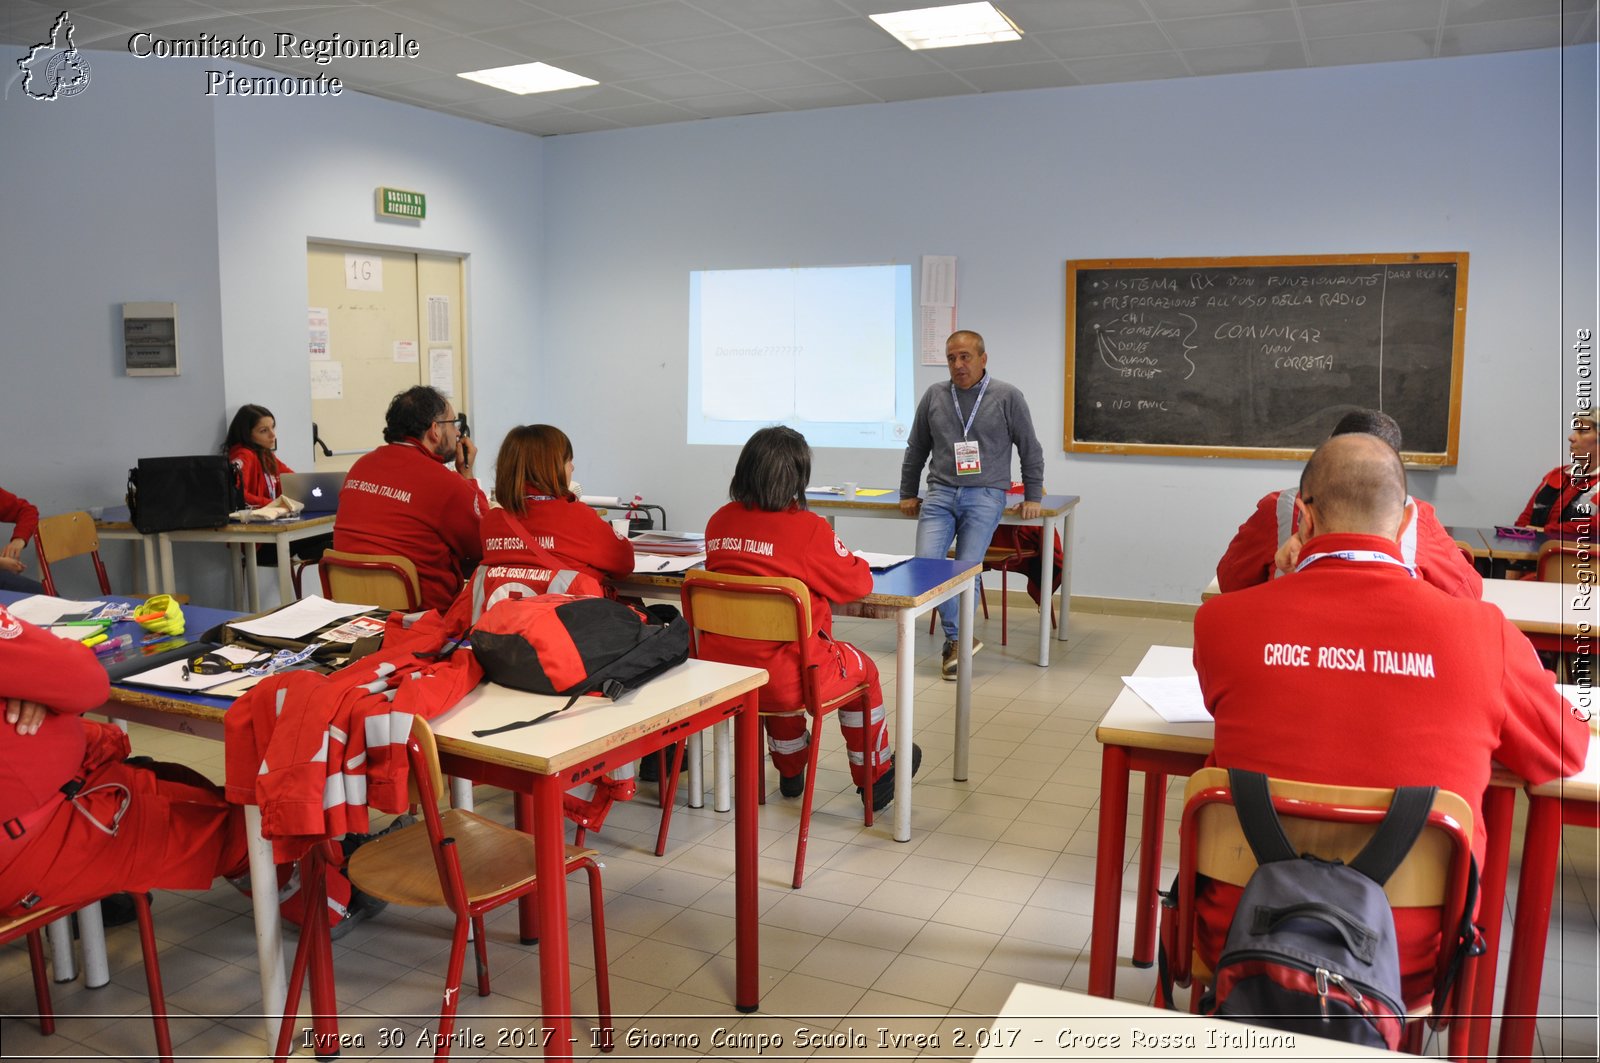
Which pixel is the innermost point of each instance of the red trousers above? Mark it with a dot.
(844, 668)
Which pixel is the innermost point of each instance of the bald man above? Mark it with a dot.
(1351, 670)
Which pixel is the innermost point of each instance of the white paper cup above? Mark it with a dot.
(620, 526)
(849, 489)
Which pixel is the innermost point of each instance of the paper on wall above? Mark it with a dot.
(405, 351)
(442, 370)
(327, 380)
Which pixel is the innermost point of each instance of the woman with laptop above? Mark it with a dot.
(251, 446)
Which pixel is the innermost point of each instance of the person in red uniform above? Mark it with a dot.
(766, 531)
(1267, 544)
(1564, 504)
(251, 446)
(533, 485)
(401, 499)
(78, 820)
(24, 518)
(1352, 671)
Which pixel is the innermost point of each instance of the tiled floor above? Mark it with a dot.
(921, 938)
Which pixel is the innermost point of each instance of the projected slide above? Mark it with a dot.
(825, 350)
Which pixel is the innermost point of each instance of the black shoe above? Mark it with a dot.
(792, 785)
(649, 769)
(883, 789)
(351, 842)
(118, 909)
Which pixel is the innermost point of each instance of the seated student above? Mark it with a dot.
(533, 487)
(400, 498)
(1267, 544)
(1357, 673)
(1564, 502)
(766, 531)
(25, 517)
(251, 445)
(81, 820)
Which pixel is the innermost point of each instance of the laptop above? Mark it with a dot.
(318, 490)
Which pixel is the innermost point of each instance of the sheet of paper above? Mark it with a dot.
(405, 351)
(879, 562)
(317, 337)
(934, 325)
(442, 370)
(938, 280)
(873, 492)
(169, 676)
(655, 564)
(327, 380)
(1175, 698)
(363, 272)
(43, 610)
(438, 319)
(300, 619)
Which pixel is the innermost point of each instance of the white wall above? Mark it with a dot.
(1457, 154)
(141, 188)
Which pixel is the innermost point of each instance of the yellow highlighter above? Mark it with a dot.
(96, 639)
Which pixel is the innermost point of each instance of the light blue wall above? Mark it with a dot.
(1440, 155)
(579, 250)
(141, 188)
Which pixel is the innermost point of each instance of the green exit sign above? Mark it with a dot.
(398, 203)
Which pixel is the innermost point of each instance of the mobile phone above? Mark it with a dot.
(1508, 532)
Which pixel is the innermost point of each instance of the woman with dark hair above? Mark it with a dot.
(766, 531)
(250, 445)
(1564, 502)
(533, 488)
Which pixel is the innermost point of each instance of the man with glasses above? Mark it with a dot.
(401, 498)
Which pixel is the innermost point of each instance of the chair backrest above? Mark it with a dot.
(65, 535)
(1332, 822)
(387, 581)
(1562, 562)
(772, 608)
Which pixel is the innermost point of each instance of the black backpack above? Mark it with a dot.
(1312, 947)
(573, 645)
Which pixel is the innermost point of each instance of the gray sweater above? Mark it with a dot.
(1003, 421)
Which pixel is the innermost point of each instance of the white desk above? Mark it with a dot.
(903, 593)
(246, 537)
(1055, 515)
(1037, 1022)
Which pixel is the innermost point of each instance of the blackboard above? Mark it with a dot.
(1260, 357)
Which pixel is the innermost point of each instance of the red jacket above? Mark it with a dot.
(20, 512)
(1352, 672)
(514, 566)
(400, 499)
(1424, 544)
(260, 486)
(1562, 505)
(315, 752)
(573, 535)
(752, 542)
(62, 675)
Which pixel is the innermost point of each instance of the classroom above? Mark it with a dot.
(577, 253)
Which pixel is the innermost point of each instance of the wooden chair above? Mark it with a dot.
(773, 609)
(1005, 555)
(1332, 822)
(387, 581)
(67, 535)
(453, 859)
(30, 926)
(1567, 562)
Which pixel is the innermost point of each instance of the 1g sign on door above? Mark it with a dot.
(363, 273)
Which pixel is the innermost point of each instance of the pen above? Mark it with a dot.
(81, 623)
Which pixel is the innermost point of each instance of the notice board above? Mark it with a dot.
(1259, 357)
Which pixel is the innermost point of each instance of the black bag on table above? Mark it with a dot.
(188, 491)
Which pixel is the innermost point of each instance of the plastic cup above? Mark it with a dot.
(849, 489)
(621, 527)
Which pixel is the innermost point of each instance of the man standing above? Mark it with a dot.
(400, 498)
(1353, 671)
(964, 432)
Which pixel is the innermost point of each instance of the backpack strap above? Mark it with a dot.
(1252, 801)
(1408, 814)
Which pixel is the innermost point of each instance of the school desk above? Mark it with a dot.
(1055, 516)
(903, 593)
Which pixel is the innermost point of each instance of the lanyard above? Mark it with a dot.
(974, 414)
(1356, 555)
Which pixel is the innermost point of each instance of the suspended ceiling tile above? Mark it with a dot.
(1219, 31)
(1021, 76)
(1372, 48)
(1152, 67)
(670, 20)
(722, 50)
(1480, 37)
(1099, 41)
(1371, 16)
(787, 74)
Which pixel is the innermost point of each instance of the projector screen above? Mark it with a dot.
(824, 350)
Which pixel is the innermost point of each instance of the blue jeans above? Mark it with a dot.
(966, 515)
(16, 581)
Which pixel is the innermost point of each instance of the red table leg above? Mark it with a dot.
(1541, 851)
(748, 771)
(550, 863)
(1478, 999)
(1113, 833)
(1146, 911)
(528, 906)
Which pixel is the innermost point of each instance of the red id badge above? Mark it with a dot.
(967, 460)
